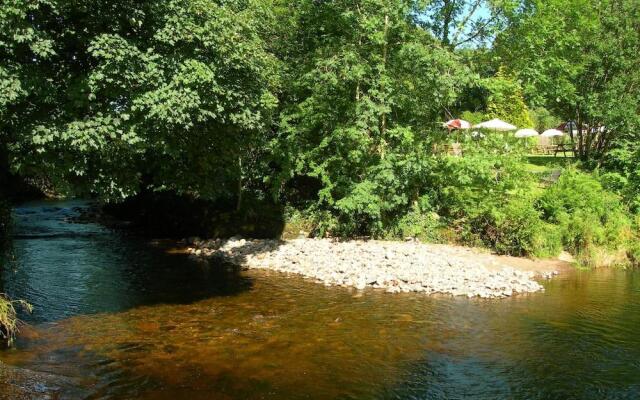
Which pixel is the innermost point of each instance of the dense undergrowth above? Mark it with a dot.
(490, 198)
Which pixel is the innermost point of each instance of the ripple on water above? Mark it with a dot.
(121, 320)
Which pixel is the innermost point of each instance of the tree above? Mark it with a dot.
(578, 59)
(505, 100)
(368, 89)
(162, 95)
(458, 23)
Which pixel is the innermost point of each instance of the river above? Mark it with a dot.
(119, 318)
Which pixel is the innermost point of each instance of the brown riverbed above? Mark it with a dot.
(118, 319)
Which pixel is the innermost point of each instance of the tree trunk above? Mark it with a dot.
(384, 60)
(383, 117)
(588, 142)
(239, 195)
(447, 11)
(580, 147)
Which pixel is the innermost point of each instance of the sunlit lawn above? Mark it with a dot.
(542, 164)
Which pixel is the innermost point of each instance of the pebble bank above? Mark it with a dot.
(391, 266)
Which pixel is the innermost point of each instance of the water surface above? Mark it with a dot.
(118, 318)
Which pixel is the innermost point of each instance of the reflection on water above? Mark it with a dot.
(122, 320)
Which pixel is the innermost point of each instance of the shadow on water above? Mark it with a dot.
(67, 269)
(129, 321)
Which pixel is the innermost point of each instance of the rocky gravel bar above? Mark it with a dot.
(391, 266)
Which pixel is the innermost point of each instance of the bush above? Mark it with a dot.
(485, 198)
(587, 215)
(488, 196)
(613, 182)
(517, 230)
(543, 119)
(421, 222)
(473, 117)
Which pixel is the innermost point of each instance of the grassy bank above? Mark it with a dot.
(9, 322)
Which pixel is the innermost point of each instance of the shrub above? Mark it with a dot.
(488, 196)
(482, 180)
(473, 117)
(613, 182)
(587, 215)
(297, 222)
(543, 119)
(420, 222)
(516, 229)
(506, 100)
(633, 254)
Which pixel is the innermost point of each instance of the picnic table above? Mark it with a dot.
(564, 148)
(544, 149)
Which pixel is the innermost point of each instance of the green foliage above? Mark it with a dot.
(516, 229)
(587, 215)
(230, 102)
(165, 95)
(363, 123)
(473, 117)
(578, 59)
(613, 182)
(457, 23)
(543, 119)
(486, 196)
(420, 222)
(9, 323)
(633, 254)
(505, 100)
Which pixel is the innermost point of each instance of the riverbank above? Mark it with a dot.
(392, 266)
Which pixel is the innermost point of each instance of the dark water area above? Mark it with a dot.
(118, 318)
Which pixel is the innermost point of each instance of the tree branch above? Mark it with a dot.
(477, 33)
(466, 19)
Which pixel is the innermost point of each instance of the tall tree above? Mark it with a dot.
(368, 88)
(113, 96)
(579, 58)
(505, 100)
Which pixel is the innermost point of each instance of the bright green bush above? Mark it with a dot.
(543, 119)
(613, 182)
(420, 222)
(488, 197)
(482, 180)
(516, 229)
(473, 117)
(587, 215)
(506, 100)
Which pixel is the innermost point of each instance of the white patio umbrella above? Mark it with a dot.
(552, 133)
(523, 133)
(496, 125)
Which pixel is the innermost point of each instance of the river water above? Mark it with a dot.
(118, 318)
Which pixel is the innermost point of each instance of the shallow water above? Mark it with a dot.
(116, 318)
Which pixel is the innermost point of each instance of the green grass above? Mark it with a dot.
(544, 164)
(9, 319)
